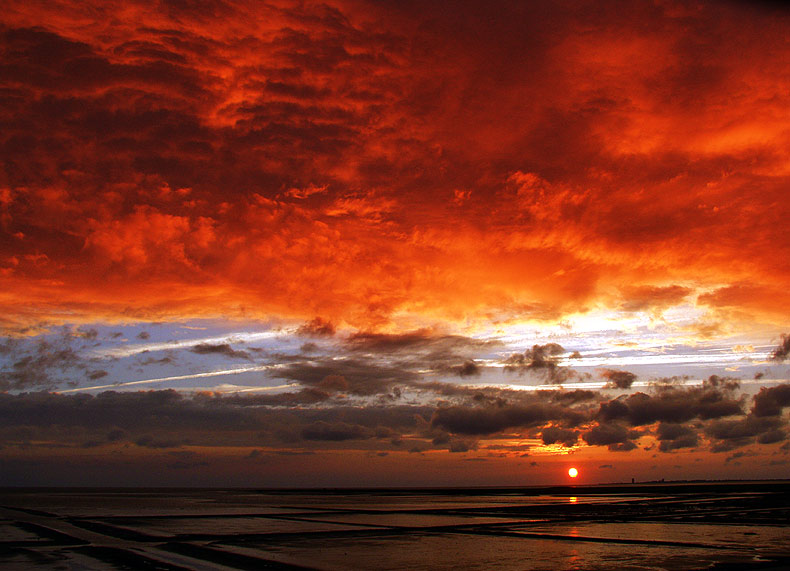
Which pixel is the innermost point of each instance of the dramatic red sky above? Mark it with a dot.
(391, 197)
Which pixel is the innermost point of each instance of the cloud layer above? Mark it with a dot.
(706, 418)
(364, 161)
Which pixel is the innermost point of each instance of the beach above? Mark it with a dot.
(688, 525)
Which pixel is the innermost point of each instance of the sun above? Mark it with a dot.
(573, 472)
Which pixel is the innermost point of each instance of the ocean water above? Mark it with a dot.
(718, 526)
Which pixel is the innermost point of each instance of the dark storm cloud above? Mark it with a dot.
(715, 407)
(392, 367)
(449, 389)
(341, 431)
(555, 434)
(40, 363)
(674, 404)
(317, 416)
(764, 424)
(359, 376)
(574, 396)
(675, 436)
(307, 396)
(370, 364)
(421, 342)
(781, 352)
(771, 401)
(393, 343)
(772, 436)
(731, 434)
(541, 359)
(424, 349)
(334, 383)
(726, 384)
(626, 446)
(163, 419)
(606, 435)
(163, 409)
(335, 432)
(469, 368)
(618, 379)
(492, 419)
(219, 349)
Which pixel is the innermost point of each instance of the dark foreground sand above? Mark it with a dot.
(717, 526)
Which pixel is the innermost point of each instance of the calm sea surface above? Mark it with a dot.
(744, 525)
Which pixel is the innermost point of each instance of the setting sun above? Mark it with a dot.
(573, 472)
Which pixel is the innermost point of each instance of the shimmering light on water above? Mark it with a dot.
(637, 527)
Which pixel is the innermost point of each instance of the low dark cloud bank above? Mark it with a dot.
(783, 350)
(375, 393)
(710, 416)
(618, 379)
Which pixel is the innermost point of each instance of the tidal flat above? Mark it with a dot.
(674, 525)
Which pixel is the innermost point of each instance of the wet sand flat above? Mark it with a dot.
(717, 526)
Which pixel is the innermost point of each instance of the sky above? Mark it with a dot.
(379, 243)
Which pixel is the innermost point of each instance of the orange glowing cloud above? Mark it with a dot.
(391, 164)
